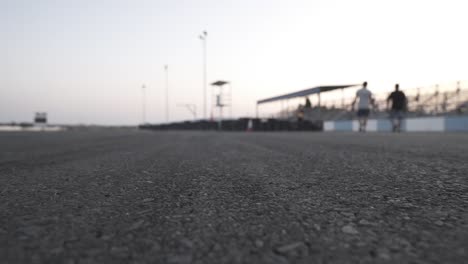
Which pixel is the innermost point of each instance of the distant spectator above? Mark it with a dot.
(365, 101)
(300, 113)
(397, 111)
(308, 104)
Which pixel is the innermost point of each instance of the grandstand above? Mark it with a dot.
(336, 103)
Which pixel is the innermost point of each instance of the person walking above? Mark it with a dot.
(364, 96)
(397, 111)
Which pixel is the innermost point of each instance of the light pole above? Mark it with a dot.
(203, 37)
(143, 103)
(166, 68)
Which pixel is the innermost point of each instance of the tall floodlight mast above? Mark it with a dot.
(203, 37)
(143, 103)
(166, 68)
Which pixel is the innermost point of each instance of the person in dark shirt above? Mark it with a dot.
(308, 104)
(398, 109)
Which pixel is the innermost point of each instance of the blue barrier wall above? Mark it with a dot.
(456, 123)
(343, 125)
(448, 123)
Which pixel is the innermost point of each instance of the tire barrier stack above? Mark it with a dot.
(241, 124)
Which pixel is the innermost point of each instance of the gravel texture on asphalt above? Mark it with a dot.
(123, 196)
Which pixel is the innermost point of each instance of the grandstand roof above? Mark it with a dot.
(306, 92)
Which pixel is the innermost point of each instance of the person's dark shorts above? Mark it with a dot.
(363, 112)
(397, 114)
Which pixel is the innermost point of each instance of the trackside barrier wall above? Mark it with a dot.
(433, 124)
(241, 124)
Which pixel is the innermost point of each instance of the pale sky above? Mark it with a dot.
(84, 61)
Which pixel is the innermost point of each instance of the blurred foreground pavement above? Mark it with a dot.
(194, 197)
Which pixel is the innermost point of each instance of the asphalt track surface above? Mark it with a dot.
(123, 196)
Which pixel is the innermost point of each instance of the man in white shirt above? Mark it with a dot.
(365, 101)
